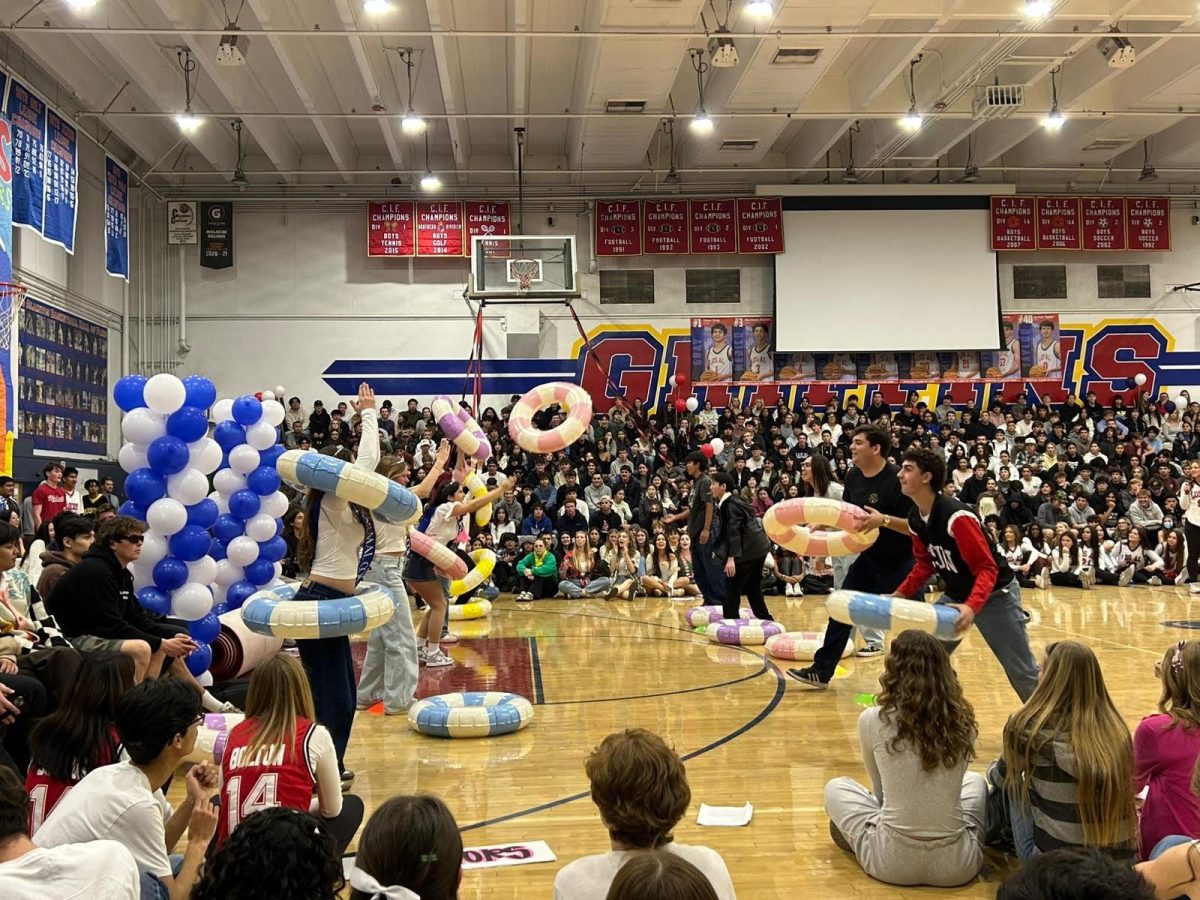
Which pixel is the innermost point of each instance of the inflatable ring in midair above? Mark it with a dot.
(460, 428)
(892, 613)
(785, 524)
(391, 502)
(575, 401)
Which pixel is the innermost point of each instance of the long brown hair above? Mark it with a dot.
(921, 698)
(277, 697)
(1180, 673)
(412, 842)
(1072, 704)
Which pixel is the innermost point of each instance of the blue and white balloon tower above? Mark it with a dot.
(204, 553)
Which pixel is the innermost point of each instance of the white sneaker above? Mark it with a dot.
(789, 590)
(1089, 578)
(1126, 576)
(1042, 580)
(1155, 581)
(437, 659)
(1194, 587)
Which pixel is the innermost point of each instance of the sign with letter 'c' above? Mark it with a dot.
(216, 235)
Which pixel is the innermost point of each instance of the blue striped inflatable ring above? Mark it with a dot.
(892, 613)
(391, 502)
(470, 714)
(275, 611)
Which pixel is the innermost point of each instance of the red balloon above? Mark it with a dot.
(680, 405)
(707, 450)
(258, 395)
(682, 381)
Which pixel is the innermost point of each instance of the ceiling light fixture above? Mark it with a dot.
(377, 7)
(412, 124)
(912, 119)
(1054, 119)
(1148, 171)
(187, 120)
(1037, 9)
(702, 122)
(760, 9)
(429, 181)
(81, 5)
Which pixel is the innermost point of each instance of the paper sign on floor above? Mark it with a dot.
(522, 854)
(725, 816)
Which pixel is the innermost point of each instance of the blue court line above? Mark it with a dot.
(536, 664)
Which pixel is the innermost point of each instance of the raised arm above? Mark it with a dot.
(368, 442)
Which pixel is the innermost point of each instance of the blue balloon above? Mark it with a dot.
(144, 486)
(133, 510)
(199, 660)
(205, 631)
(273, 550)
(128, 392)
(201, 392)
(239, 592)
(167, 455)
(220, 609)
(271, 455)
(244, 504)
(260, 572)
(229, 435)
(170, 573)
(188, 424)
(204, 514)
(155, 601)
(190, 543)
(227, 527)
(247, 410)
(264, 480)
(217, 550)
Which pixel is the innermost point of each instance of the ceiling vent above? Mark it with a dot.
(1106, 145)
(796, 56)
(625, 107)
(738, 145)
(998, 101)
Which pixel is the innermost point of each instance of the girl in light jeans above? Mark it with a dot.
(391, 668)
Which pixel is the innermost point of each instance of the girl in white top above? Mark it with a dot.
(441, 522)
(1132, 560)
(501, 525)
(661, 570)
(1018, 552)
(1189, 503)
(1066, 565)
(623, 562)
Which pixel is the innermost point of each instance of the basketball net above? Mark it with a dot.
(11, 297)
(524, 271)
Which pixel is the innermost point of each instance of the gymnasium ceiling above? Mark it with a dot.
(324, 85)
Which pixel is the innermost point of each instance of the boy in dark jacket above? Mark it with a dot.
(741, 547)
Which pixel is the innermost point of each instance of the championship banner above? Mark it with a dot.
(618, 228)
(1103, 223)
(753, 359)
(712, 351)
(63, 381)
(62, 181)
(485, 218)
(216, 235)
(27, 117)
(1148, 223)
(1013, 223)
(1005, 364)
(713, 226)
(665, 226)
(1058, 226)
(391, 229)
(116, 219)
(760, 225)
(440, 228)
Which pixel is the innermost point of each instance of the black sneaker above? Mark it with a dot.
(347, 779)
(808, 679)
(839, 839)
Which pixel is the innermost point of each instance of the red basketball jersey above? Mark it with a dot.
(277, 775)
(45, 792)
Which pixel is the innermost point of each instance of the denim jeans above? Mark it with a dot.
(594, 587)
(390, 670)
(1002, 626)
(841, 565)
(153, 887)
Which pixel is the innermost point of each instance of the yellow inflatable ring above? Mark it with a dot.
(477, 609)
(485, 563)
(475, 485)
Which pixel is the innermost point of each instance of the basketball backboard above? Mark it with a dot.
(523, 267)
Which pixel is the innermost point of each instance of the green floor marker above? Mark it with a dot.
(865, 700)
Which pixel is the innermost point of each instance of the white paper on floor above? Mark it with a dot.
(725, 816)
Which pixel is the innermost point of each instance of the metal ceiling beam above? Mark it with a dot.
(460, 137)
(518, 74)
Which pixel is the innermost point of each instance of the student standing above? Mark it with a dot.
(741, 549)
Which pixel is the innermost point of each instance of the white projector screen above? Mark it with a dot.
(871, 279)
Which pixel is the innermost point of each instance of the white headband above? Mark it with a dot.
(361, 881)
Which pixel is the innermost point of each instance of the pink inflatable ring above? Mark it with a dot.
(743, 631)
(802, 645)
(445, 560)
(785, 524)
(703, 615)
(460, 428)
(574, 399)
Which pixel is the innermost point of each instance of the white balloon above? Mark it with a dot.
(143, 426)
(242, 551)
(261, 527)
(142, 576)
(204, 679)
(673, 381)
(166, 516)
(278, 567)
(260, 435)
(202, 571)
(717, 444)
(228, 573)
(221, 500)
(272, 413)
(274, 505)
(279, 392)
(154, 548)
(222, 410)
(268, 395)
(227, 481)
(204, 454)
(692, 404)
(188, 487)
(165, 393)
(243, 459)
(220, 591)
(191, 602)
(1139, 379)
(132, 456)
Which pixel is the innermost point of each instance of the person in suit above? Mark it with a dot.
(741, 546)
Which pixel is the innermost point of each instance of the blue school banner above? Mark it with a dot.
(27, 115)
(62, 181)
(116, 219)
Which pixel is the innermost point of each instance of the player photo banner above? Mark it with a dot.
(391, 228)
(753, 359)
(1104, 223)
(1041, 353)
(1148, 223)
(878, 367)
(618, 228)
(713, 225)
(1058, 223)
(795, 367)
(1005, 364)
(1013, 223)
(760, 225)
(665, 227)
(712, 351)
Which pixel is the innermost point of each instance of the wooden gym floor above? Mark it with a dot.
(747, 731)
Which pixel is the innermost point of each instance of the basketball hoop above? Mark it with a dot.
(12, 295)
(524, 272)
